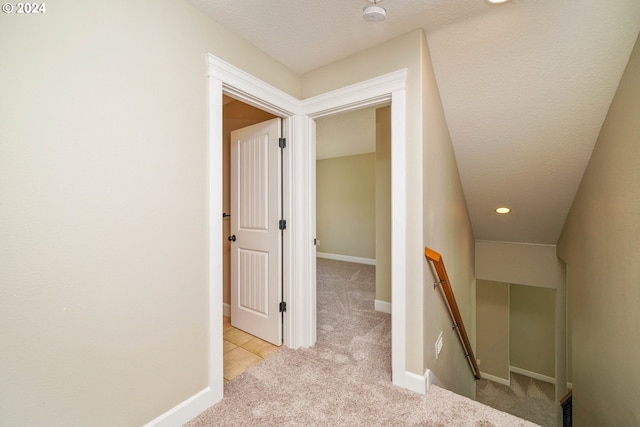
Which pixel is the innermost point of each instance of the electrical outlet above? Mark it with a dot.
(439, 344)
(478, 362)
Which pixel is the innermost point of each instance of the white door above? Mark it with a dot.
(256, 246)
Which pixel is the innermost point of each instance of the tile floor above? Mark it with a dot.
(242, 350)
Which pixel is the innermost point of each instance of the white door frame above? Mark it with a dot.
(299, 201)
(380, 90)
(224, 78)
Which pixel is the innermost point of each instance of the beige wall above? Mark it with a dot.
(569, 355)
(492, 327)
(516, 327)
(600, 242)
(526, 264)
(532, 329)
(103, 208)
(383, 204)
(235, 115)
(345, 205)
(446, 229)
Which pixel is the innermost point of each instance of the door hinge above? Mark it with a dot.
(282, 142)
(283, 307)
(282, 224)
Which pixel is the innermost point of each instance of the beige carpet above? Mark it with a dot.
(345, 379)
(527, 398)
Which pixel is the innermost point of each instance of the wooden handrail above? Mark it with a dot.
(458, 324)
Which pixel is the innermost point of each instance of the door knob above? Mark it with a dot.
(232, 238)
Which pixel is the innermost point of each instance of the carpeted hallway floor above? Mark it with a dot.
(345, 379)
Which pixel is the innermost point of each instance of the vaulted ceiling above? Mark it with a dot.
(525, 85)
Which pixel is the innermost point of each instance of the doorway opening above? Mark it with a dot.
(353, 225)
(252, 325)
(353, 192)
(299, 323)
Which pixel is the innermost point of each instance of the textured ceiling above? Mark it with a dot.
(525, 86)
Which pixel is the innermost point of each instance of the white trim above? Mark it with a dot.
(422, 383)
(289, 255)
(242, 85)
(185, 411)
(520, 371)
(245, 87)
(226, 310)
(416, 383)
(346, 258)
(377, 91)
(532, 374)
(399, 233)
(311, 129)
(495, 379)
(516, 243)
(382, 306)
(216, 363)
(224, 78)
(302, 295)
(299, 253)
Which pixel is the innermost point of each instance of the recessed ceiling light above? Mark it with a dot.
(503, 210)
(495, 2)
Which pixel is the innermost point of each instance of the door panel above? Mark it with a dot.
(256, 275)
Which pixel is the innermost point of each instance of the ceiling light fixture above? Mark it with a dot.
(496, 2)
(503, 210)
(373, 12)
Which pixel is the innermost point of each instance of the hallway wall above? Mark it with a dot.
(600, 242)
(104, 318)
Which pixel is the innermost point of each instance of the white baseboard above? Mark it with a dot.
(531, 374)
(382, 306)
(416, 383)
(495, 379)
(422, 383)
(226, 309)
(347, 258)
(521, 372)
(184, 411)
